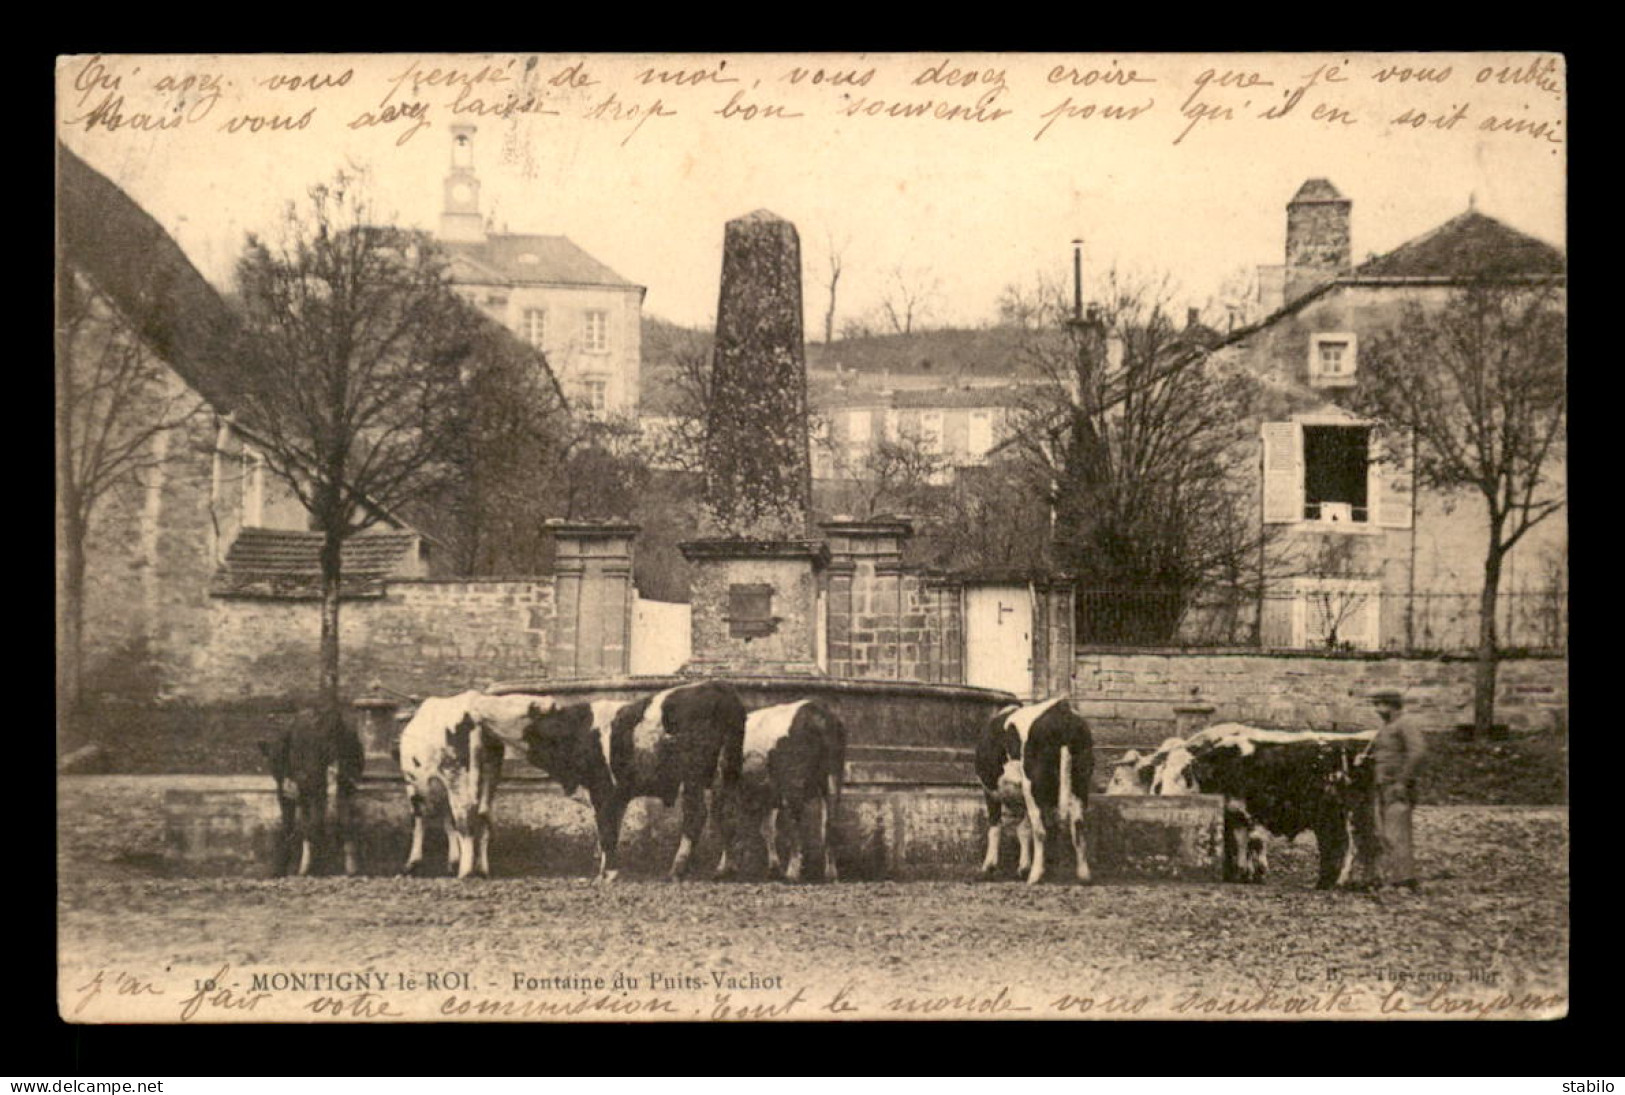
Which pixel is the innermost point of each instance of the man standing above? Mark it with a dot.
(1397, 753)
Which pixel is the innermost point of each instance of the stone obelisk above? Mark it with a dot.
(754, 591)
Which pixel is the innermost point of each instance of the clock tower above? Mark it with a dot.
(460, 219)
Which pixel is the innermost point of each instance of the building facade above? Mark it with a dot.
(1358, 556)
(560, 300)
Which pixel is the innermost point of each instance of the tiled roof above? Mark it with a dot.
(127, 255)
(541, 260)
(1001, 395)
(1468, 246)
(975, 352)
(284, 563)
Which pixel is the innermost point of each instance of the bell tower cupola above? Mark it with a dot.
(460, 218)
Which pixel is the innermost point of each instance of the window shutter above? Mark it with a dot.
(1283, 472)
(1389, 479)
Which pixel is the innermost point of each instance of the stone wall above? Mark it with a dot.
(421, 636)
(1130, 698)
(888, 623)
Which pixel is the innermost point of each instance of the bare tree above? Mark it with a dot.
(509, 438)
(678, 382)
(896, 474)
(1138, 441)
(1480, 385)
(353, 351)
(908, 297)
(835, 262)
(115, 405)
(1337, 595)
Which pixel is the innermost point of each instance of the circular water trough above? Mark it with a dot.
(898, 732)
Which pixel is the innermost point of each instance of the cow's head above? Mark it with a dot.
(1174, 775)
(1130, 776)
(561, 741)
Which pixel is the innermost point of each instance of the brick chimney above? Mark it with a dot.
(1317, 237)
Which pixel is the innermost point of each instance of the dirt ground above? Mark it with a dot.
(1487, 938)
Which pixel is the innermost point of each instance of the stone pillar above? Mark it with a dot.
(1191, 717)
(754, 590)
(379, 731)
(758, 466)
(594, 598)
(865, 571)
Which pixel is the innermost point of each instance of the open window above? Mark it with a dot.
(1335, 471)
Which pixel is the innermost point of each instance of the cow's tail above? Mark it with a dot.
(730, 715)
(835, 776)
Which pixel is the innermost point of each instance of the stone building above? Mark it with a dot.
(584, 316)
(1388, 566)
(178, 555)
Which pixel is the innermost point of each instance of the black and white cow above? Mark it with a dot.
(1036, 762)
(686, 742)
(316, 766)
(451, 754)
(1282, 782)
(795, 754)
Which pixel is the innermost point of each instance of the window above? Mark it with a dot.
(1337, 614)
(931, 430)
(1336, 472)
(980, 440)
(1336, 466)
(533, 326)
(750, 611)
(595, 335)
(1331, 360)
(595, 397)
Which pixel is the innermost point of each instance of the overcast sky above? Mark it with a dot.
(973, 205)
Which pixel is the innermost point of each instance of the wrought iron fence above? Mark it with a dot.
(1338, 618)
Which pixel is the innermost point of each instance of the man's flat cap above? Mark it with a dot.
(1388, 695)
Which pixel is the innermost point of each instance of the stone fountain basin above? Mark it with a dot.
(898, 732)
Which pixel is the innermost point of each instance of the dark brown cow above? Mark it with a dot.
(795, 754)
(685, 742)
(1036, 762)
(316, 766)
(1282, 782)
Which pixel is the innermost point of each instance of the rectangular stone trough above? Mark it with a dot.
(882, 832)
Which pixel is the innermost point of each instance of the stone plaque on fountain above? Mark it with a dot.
(755, 586)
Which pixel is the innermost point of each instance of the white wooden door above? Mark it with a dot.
(999, 638)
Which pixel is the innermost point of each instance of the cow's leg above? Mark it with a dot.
(290, 832)
(693, 823)
(1258, 852)
(609, 814)
(1024, 840)
(310, 821)
(828, 812)
(1040, 819)
(468, 835)
(725, 804)
(414, 858)
(1080, 847)
(796, 809)
(454, 842)
(995, 815)
(1076, 769)
(487, 808)
(1240, 845)
(347, 830)
(770, 838)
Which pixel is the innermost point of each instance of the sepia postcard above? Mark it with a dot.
(699, 537)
